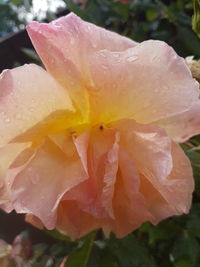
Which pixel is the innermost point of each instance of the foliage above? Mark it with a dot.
(175, 242)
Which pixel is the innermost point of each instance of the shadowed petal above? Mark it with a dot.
(181, 127)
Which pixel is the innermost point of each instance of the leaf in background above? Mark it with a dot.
(80, 257)
(186, 249)
(190, 40)
(196, 17)
(129, 252)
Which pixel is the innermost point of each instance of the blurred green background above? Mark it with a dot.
(175, 242)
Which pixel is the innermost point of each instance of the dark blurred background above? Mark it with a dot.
(174, 242)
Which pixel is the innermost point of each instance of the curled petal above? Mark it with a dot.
(74, 222)
(181, 127)
(149, 146)
(98, 150)
(28, 95)
(146, 83)
(46, 178)
(160, 164)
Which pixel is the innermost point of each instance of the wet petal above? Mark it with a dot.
(28, 95)
(64, 46)
(161, 163)
(143, 83)
(148, 145)
(181, 127)
(39, 188)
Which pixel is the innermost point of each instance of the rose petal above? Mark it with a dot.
(99, 154)
(35, 221)
(64, 46)
(8, 154)
(181, 127)
(148, 145)
(28, 95)
(173, 197)
(143, 83)
(129, 205)
(73, 222)
(161, 162)
(39, 188)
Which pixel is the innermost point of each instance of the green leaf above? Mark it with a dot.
(129, 252)
(190, 40)
(80, 257)
(55, 234)
(186, 248)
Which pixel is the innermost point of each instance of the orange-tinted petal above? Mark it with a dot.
(164, 165)
(73, 222)
(39, 188)
(98, 150)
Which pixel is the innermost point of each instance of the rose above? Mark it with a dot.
(91, 142)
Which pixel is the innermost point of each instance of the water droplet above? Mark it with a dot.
(52, 60)
(35, 178)
(18, 116)
(71, 40)
(7, 120)
(132, 58)
(104, 67)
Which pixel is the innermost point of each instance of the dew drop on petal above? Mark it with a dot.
(132, 58)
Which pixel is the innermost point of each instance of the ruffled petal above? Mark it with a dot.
(98, 151)
(74, 222)
(181, 127)
(38, 189)
(64, 46)
(146, 83)
(28, 95)
(129, 204)
(148, 145)
(166, 188)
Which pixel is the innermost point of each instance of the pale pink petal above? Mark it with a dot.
(145, 83)
(181, 127)
(64, 46)
(39, 188)
(8, 155)
(28, 95)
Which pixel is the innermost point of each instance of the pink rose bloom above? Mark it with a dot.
(91, 142)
